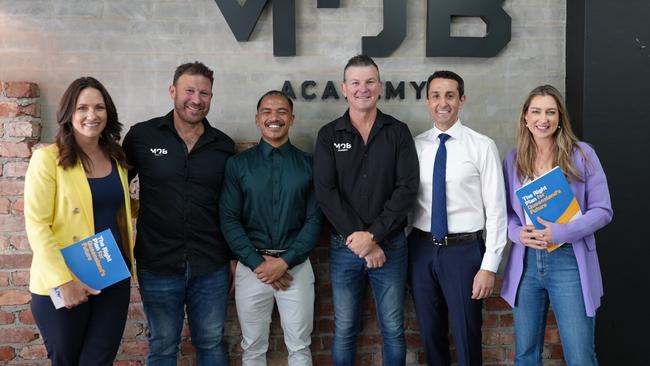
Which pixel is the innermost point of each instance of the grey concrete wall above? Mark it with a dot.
(133, 46)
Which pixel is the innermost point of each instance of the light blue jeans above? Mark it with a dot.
(165, 299)
(552, 278)
(349, 276)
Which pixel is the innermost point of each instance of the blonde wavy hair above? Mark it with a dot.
(564, 145)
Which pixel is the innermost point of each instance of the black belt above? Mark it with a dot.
(388, 238)
(270, 252)
(449, 238)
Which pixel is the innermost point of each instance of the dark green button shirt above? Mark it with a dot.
(267, 202)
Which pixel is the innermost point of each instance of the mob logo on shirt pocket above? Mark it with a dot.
(157, 151)
(342, 146)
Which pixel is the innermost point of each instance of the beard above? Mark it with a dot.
(190, 115)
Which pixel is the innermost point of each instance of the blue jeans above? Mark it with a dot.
(552, 277)
(349, 275)
(205, 298)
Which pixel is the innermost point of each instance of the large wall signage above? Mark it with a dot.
(242, 20)
(310, 90)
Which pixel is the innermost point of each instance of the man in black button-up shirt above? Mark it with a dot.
(182, 258)
(366, 180)
(271, 220)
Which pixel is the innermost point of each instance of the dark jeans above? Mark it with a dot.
(88, 334)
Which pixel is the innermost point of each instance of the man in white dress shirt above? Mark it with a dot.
(459, 226)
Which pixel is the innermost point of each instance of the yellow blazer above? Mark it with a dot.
(59, 212)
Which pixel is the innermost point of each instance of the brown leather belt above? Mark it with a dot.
(449, 238)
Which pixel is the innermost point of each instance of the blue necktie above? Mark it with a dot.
(439, 200)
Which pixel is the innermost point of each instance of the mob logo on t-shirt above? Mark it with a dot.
(342, 146)
(157, 151)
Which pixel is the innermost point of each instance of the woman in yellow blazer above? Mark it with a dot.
(74, 189)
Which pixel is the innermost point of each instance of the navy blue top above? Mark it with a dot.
(108, 198)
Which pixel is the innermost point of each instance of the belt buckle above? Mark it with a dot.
(269, 253)
(443, 242)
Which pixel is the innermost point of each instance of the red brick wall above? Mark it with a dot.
(21, 344)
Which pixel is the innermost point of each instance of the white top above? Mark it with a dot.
(475, 188)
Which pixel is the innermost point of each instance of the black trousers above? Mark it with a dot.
(88, 334)
(441, 279)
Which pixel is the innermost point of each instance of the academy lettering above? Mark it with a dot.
(310, 90)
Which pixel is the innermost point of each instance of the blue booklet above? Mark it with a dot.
(551, 198)
(95, 261)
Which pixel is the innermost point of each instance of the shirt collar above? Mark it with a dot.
(454, 132)
(168, 122)
(344, 122)
(266, 149)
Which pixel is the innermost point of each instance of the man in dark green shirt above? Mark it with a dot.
(270, 219)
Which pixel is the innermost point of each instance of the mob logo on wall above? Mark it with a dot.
(242, 20)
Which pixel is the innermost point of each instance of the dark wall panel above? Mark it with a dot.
(611, 96)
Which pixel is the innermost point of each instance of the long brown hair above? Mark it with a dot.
(69, 150)
(564, 145)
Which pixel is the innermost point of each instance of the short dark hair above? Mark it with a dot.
(194, 68)
(275, 93)
(445, 74)
(361, 60)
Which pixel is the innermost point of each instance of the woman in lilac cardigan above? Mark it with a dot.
(569, 277)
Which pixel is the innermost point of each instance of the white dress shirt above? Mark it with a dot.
(475, 188)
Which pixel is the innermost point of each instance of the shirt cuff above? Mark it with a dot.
(491, 262)
(56, 280)
(377, 234)
(289, 256)
(253, 261)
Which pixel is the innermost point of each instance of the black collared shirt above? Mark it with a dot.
(268, 202)
(178, 221)
(366, 187)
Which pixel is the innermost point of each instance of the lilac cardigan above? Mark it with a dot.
(593, 197)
